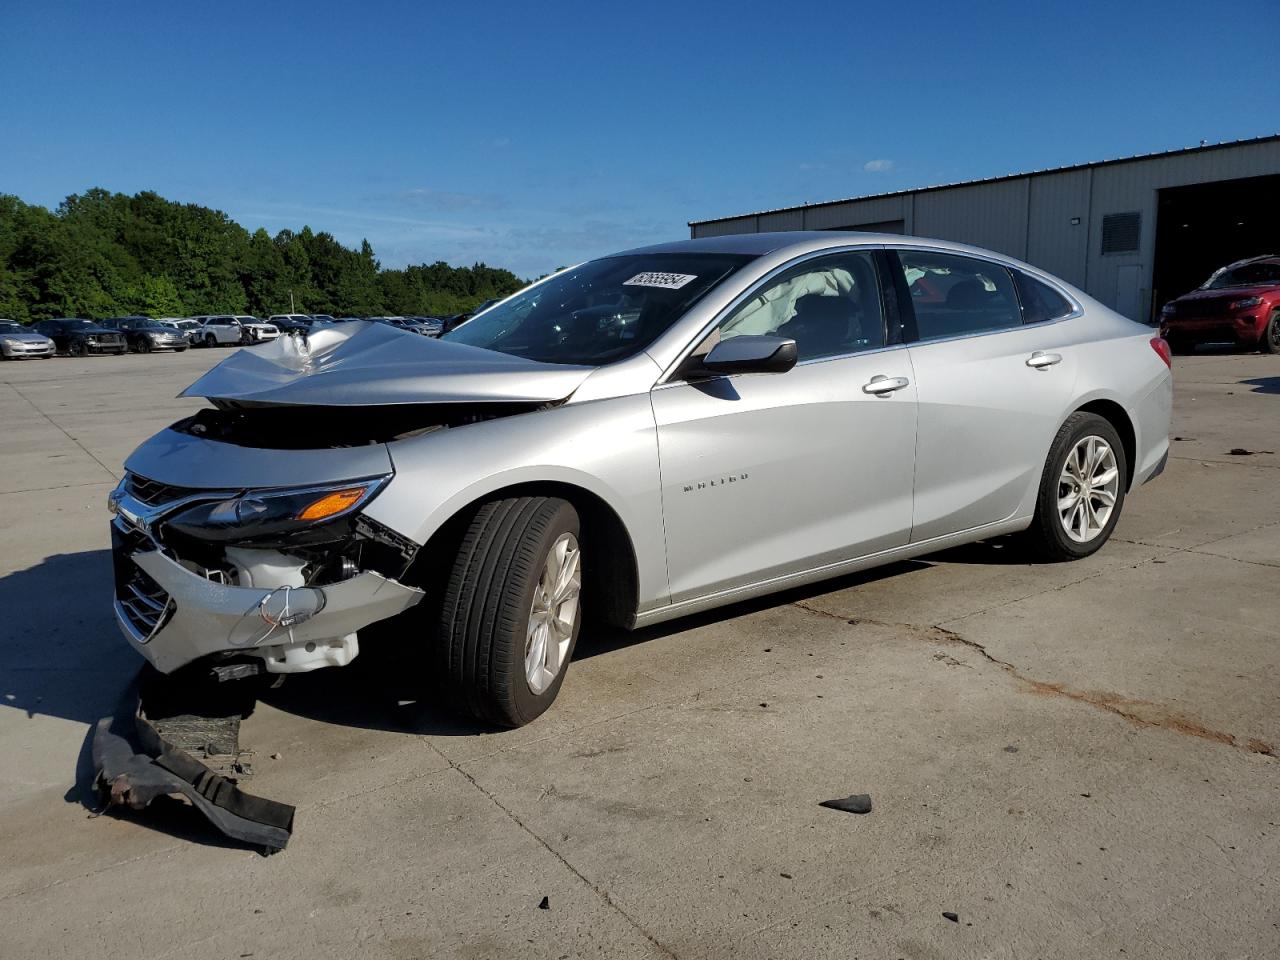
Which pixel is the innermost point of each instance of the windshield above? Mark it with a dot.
(11, 328)
(601, 311)
(1246, 275)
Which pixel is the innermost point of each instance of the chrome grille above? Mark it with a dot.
(142, 601)
(153, 492)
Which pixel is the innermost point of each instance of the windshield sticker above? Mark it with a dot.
(667, 281)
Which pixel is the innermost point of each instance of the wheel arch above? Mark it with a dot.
(1115, 414)
(610, 564)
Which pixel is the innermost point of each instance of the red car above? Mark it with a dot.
(1240, 302)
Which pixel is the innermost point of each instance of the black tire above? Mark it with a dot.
(484, 615)
(144, 345)
(1270, 341)
(1179, 344)
(76, 348)
(210, 340)
(1046, 537)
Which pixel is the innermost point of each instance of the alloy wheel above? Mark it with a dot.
(553, 614)
(1087, 489)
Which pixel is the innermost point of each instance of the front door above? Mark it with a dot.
(764, 475)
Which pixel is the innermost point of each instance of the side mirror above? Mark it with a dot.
(750, 354)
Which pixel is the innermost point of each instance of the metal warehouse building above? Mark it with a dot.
(1133, 232)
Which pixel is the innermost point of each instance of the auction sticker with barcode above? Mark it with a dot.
(668, 281)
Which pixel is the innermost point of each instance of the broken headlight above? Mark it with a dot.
(300, 515)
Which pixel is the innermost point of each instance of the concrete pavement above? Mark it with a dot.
(1077, 760)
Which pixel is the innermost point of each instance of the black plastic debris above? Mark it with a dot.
(545, 904)
(857, 803)
(136, 761)
(1243, 452)
(953, 917)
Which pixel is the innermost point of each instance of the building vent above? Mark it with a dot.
(1121, 232)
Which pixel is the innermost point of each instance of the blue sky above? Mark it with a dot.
(532, 135)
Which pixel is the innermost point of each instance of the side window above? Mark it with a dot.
(954, 295)
(829, 307)
(1040, 302)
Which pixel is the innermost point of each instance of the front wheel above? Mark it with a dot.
(144, 345)
(210, 340)
(511, 610)
(1081, 490)
(1270, 342)
(76, 348)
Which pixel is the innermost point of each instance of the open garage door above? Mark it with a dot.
(1202, 227)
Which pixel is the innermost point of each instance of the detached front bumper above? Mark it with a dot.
(173, 616)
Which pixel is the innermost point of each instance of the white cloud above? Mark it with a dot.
(877, 166)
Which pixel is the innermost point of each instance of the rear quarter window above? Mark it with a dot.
(1040, 302)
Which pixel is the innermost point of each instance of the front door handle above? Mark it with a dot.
(882, 386)
(1042, 361)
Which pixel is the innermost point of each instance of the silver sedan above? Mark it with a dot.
(631, 440)
(22, 343)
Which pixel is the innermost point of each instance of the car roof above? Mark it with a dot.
(797, 242)
(1248, 260)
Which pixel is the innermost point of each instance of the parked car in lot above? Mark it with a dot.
(292, 322)
(398, 322)
(144, 335)
(641, 437)
(21, 343)
(427, 326)
(255, 330)
(77, 337)
(217, 331)
(1239, 303)
(184, 325)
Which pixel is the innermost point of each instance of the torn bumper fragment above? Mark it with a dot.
(135, 764)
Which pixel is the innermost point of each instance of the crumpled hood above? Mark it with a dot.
(372, 364)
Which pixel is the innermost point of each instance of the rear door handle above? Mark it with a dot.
(882, 386)
(1041, 360)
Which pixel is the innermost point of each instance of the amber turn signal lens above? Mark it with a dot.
(331, 503)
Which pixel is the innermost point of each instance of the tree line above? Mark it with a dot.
(103, 254)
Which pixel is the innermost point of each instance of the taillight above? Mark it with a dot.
(1161, 346)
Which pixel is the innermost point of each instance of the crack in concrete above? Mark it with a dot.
(600, 892)
(1124, 707)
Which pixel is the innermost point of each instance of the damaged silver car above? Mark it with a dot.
(634, 439)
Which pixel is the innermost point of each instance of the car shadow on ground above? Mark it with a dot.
(1263, 384)
(66, 658)
(379, 690)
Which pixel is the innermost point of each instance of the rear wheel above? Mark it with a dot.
(510, 614)
(1270, 342)
(1081, 490)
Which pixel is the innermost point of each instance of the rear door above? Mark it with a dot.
(994, 376)
(765, 475)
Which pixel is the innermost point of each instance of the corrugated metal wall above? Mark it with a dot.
(1030, 217)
